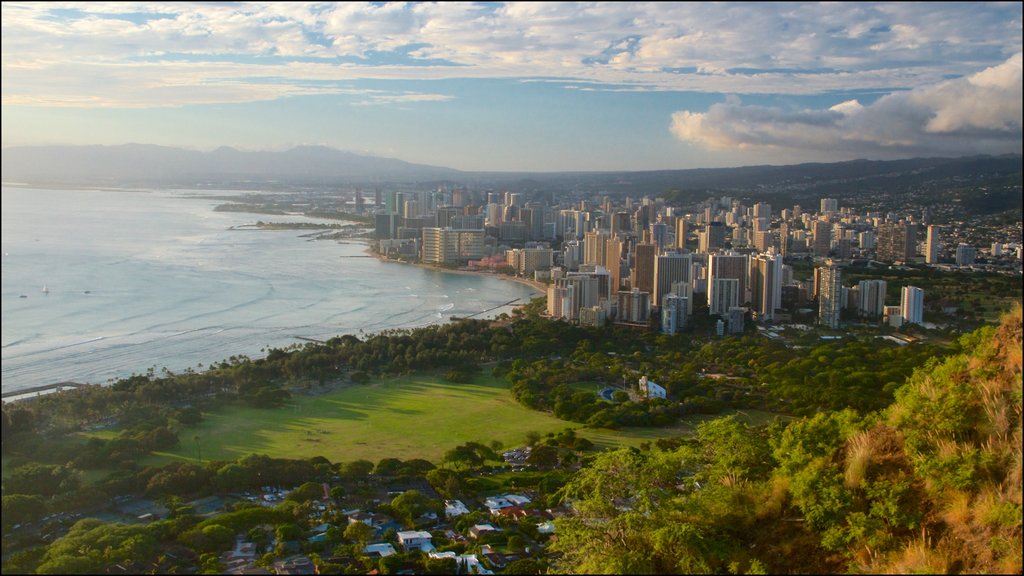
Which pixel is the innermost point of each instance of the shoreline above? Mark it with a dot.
(539, 287)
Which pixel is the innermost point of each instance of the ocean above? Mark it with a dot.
(102, 284)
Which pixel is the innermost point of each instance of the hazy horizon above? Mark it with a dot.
(510, 87)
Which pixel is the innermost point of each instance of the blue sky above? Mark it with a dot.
(522, 86)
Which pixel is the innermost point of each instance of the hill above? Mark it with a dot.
(143, 164)
(932, 484)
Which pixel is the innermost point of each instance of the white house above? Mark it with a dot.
(497, 503)
(415, 540)
(453, 508)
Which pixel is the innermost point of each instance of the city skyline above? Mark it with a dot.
(531, 87)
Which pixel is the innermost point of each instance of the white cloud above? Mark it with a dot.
(980, 113)
(786, 48)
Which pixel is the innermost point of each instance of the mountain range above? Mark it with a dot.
(321, 167)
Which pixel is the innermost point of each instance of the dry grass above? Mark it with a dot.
(859, 451)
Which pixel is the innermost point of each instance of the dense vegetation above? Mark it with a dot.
(907, 459)
(930, 484)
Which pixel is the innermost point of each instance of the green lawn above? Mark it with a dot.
(410, 417)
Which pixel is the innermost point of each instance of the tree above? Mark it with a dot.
(410, 505)
(21, 508)
(359, 533)
(357, 470)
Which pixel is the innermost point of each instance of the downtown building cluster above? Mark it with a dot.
(647, 264)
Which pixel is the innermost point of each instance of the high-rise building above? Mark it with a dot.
(668, 269)
(896, 242)
(643, 267)
(766, 284)
(634, 306)
(829, 205)
(673, 314)
(736, 319)
(965, 255)
(681, 232)
(931, 245)
(659, 234)
(728, 266)
(763, 210)
(614, 247)
(830, 295)
(822, 231)
(595, 248)
(712, 238)
(450, 246)
(386, 226)
(569, 294)
(866, 240)
(723, 294)
(685, 290)
(871, 296)
(912, 305)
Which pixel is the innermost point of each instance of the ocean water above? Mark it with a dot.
(156, 279)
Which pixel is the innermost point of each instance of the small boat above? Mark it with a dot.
(45, 289)
(23, 296)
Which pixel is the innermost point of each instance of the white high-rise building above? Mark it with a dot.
(912, 305)
(723, 294)
(669, 269)
(931, 245)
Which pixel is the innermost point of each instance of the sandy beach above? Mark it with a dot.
(540, 287)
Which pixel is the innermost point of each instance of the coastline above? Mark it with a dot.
(539, 287)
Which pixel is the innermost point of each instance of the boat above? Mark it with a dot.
(45, 289)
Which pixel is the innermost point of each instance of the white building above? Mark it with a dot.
(453, 508)
(912, 305)
(415, 540)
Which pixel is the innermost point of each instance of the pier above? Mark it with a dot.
(492, 308)
(35, 389)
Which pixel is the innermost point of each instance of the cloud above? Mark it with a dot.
(980, 113)
(789, 48)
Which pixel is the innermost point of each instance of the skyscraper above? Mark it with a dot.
(766, 284)
(673, 314)
(822, 238)
(931, 245)
(681, 232)
(643, 267)
(830, 295)
(965, 255)
(712, 238)
(896, 242)
(912, 305)
(668, 269)
(723, 294)
(871, 294)
(594, 248)
(728, 266)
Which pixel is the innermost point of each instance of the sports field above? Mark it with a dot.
(408, 417)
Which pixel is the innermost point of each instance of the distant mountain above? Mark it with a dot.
(149, 164)
(320, 167)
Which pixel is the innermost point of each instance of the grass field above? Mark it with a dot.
(409, 417)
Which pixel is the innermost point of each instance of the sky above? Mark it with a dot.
(522, 86)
